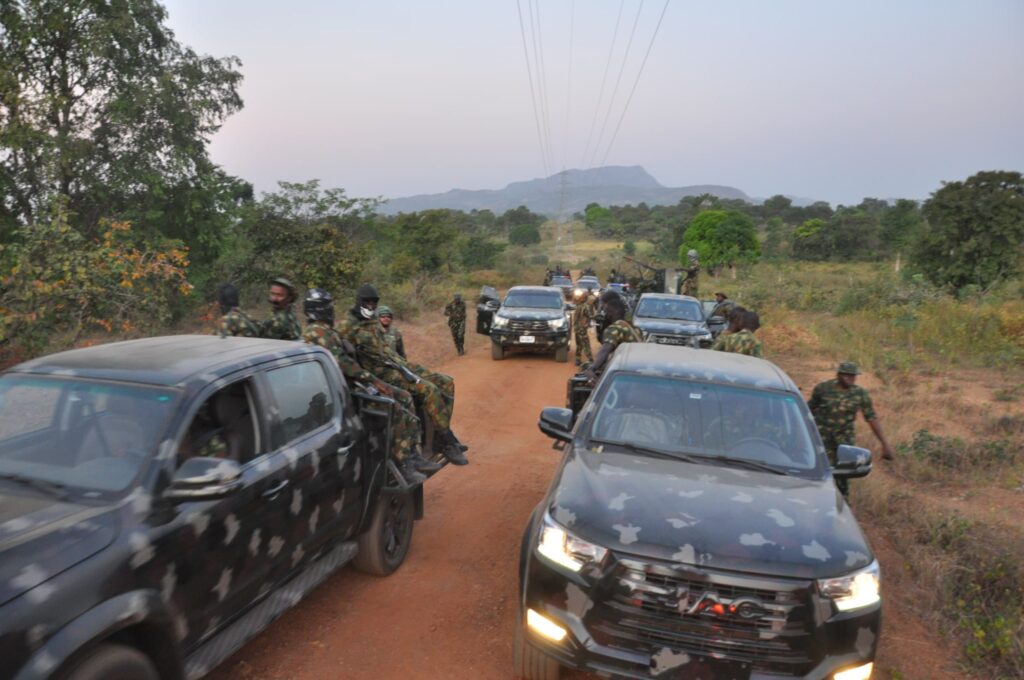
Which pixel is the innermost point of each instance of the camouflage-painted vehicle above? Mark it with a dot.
(163, 500)
(693, 529)
(672, 320)
(531, 319)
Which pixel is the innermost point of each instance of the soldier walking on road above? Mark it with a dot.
(834, 405)
(689, 285)
(407, 431)
(234, 321)
(392, 335)
(282, 324)
(618, 332)
(739, 337)
(435, 390)
(456, 313)
(581, 318)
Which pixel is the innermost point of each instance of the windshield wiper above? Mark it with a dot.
(745, 463)
(648, 450)
(55, 489)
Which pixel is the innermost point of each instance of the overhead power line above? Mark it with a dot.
(604, 82)
(542, 80)
(533, 95)
(636, 82)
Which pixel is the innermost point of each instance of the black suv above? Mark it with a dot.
(533, 319)
(672, 320)
(163, 500)
(693, 530)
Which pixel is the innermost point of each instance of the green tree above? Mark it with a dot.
(975, 231)
(479, 252)
(102, 107)
(900, 224)
(722, 237)
(810, 242)
(524, 235)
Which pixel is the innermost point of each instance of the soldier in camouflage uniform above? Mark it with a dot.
(724, 306)
(392, 335)
(234, 321)
(456, 313)
(834, 405)
(739, 337)
(618, 331)
(689, 284)
(319, 309)
(282, 324)
(362, 328)
(581, 318)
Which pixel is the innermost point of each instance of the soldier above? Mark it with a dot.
(724, 306)
(234, 321)
(456, 313)
(282, 324)
(319, 310)
(391, 334)
(436, 391)
(581, 318)
(739, 336)
(689, 285)
(834, 404)
(618, 331)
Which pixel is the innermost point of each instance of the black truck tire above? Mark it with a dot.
(114, 662)
(528, 662)
(497, 352)
(385, 543)
(562, 354)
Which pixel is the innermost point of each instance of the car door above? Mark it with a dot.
(308, 430)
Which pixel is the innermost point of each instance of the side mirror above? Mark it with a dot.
(716, 320)
(851, 462)
(203, 479)
(556, 423)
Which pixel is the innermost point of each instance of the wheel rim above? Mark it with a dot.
(395, 528)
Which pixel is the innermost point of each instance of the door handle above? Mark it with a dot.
(345, 448)
(276, 490)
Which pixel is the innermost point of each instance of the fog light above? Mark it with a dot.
(552, 631)
(858, 673)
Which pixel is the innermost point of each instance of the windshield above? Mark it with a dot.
(589, 284)
(83, 435)
(664, 308)
(686, 417)
(538, 299)
(561, 281)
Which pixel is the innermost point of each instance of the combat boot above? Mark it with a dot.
(412, 476)
(452, 449)
(424, 465)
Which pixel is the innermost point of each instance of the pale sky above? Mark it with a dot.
(827, 99)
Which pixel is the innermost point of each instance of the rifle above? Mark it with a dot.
(364, 351)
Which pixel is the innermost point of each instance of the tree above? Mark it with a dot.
(518, 216)
(975, 232)
(900, 223)
(524, 235)
(102, 108)
(479, 252)
(722, 237)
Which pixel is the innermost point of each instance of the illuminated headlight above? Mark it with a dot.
(857, 673)
(854, 591)
(499, 322)
(579, 291)
(565, 549)
(555, 324)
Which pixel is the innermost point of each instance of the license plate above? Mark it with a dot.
(527, 339)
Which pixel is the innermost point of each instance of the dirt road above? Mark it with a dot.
(449, 611)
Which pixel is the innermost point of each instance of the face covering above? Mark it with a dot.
(367, 312)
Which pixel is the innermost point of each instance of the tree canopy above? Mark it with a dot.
(722, 237)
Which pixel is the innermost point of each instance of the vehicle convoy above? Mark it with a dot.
(163, 500)
(590, 284)
(532, 319)
(565, 284)
(672, 320)
(693, 529)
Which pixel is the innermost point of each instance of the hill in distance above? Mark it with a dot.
(609, 185)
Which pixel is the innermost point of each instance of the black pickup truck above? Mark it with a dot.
(164, 500)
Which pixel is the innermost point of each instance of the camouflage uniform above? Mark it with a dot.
(619, 332)
(456, 313)
(238, 324)
(396, 343)
(740, 342)
(366, 335)
(690, 281)
(581, 329)
(282, 325)
(835, 410)
(406, 427)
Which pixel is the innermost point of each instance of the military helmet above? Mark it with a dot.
(284, 283)
(692, 254)
(384, 310)
(848, 368)
(367, 292)
(318, 305)
(458, 297)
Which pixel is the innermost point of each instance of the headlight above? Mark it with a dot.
(854, 591)
(499, 322)
(565, 549)
(555, 324)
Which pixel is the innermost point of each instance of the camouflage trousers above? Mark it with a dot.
(405, 428)
(831, 449)
(582, 337)
(690, 287)
(458, 329)
(435, 390)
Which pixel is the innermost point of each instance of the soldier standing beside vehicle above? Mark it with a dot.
(282, 324)
(834, 405)
(581, 318)
(319, 310)
(739, 336)
(619, 331)
(724, 306)
(689, 284)
(456, 313)
(392, 335)
(234, 321)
